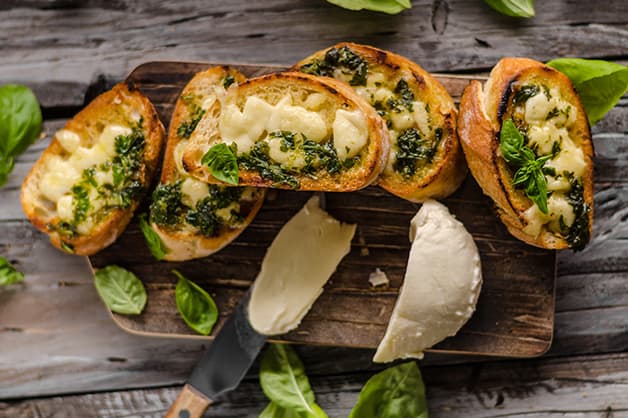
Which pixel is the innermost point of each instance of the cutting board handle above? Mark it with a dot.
(189, 404)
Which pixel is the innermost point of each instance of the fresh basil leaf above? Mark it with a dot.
(196, 307)
(6, 166)
(387, 6)
(273, 410)
(529, 174)
(514, 8)
(600, 84)
(8, 273)
(283, 380)
(511, 142)
(396, 392)
(222, 163)
(121, 290)
(20, 124)
(156, 246)
(20, 119)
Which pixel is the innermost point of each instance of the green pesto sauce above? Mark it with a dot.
(125, 189)
(167, 208)
(317, 156)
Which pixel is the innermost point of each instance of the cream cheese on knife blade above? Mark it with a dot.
(297, 265)
(440, 288)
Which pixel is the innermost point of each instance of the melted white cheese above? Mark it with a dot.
(557, 207)
(350, 133)
(440, 288)
(225, 213)
(297, 265)
(69, 140)
(247, 126)
(62, 174)
(192, 191)
(289, 158)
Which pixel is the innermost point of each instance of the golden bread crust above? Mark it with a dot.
(113, 106)
(185, 244)
(479, 124)
(447, 171)
(272, 87)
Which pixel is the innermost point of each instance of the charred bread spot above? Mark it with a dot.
(504, 101)
(381, 57)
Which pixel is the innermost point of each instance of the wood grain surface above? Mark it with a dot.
(515, 312)
(56, 337)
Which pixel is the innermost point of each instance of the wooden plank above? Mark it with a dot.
(76, 46)
(514, 316)
(592, 386)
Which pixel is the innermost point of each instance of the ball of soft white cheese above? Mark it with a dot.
(440, 288)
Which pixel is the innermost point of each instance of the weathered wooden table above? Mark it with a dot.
(60, 353)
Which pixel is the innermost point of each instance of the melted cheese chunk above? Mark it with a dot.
(226, 212)
(289, 158)
(350, 133)
(557, 207)
(247, 126)
(543, 137)
(297, 265)
(286, 117)
(192, 191)
(440, 288)
(65, 208)
(69, 140)
(421, 118)
(570, 159)
(62, 174)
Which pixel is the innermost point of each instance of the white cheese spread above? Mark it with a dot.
(440, 289)
(297, 265)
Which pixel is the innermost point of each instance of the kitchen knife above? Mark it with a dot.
(223, 365)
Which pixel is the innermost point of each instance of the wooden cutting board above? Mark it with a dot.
(515, 312)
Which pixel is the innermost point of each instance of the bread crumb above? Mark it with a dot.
(378, 278)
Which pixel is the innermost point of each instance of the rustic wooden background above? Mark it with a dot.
(62, 356)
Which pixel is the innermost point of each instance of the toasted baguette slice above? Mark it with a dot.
(546, 109)
(294, 131)
(86, 185)
(180, 199)
(425, 157)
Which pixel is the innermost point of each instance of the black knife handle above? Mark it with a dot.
(189, 404)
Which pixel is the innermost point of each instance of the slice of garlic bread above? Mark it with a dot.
(425, 160)
(528, 144)
(291, 131)
(86, 185)
(194, 219)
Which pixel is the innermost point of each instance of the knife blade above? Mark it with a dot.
(222, 367)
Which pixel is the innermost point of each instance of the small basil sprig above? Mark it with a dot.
(514, 8)
(396, 392)
(387, 6)
(222, 163)
(8, 273)
(196, 307)
(121, 290)
(529, 175)
(600, 84)
(156, 246)
(20, 124)
(284, 382)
